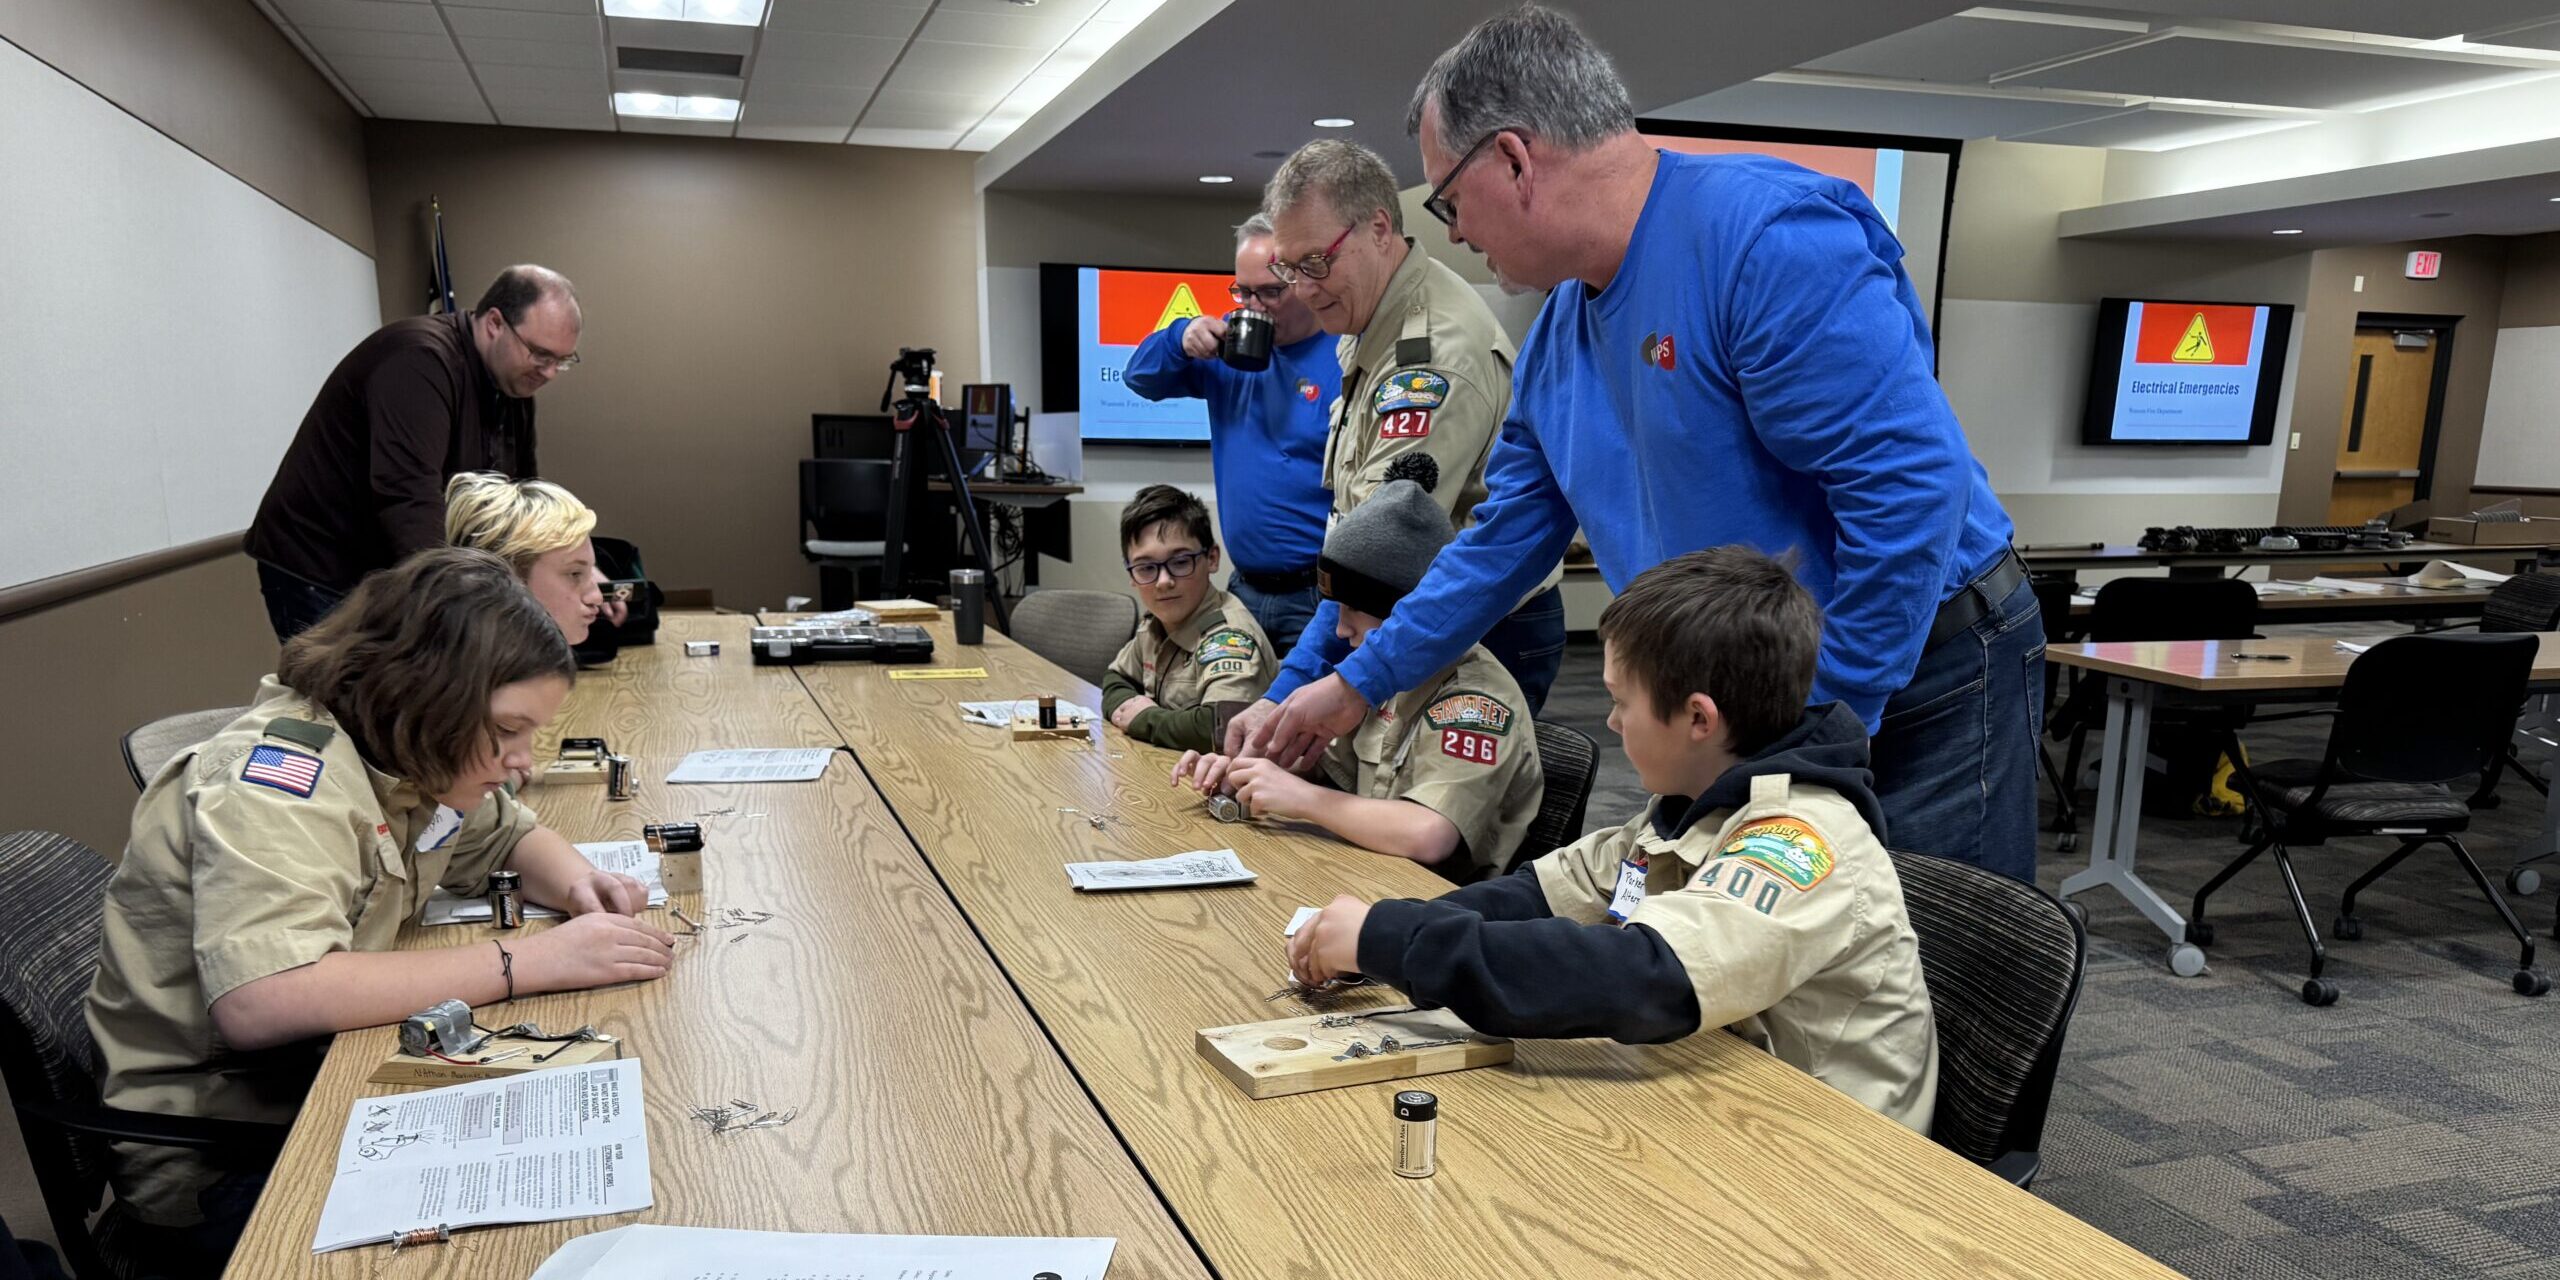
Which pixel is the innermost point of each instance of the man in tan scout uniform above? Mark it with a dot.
(1425, 368)
(1199, 655)
(1754, 893)
(1446, 774)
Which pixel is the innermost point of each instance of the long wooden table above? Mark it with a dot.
(2139, 675)
(2394, 602)
(929, 1103)
(1581, 1158)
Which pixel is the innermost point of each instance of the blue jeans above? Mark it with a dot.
(294, 602)
(1282, 617)
(1529, 643)
(1955, 755)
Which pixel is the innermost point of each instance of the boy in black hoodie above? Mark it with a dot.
(1753, 893)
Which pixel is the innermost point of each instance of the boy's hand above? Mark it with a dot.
(607, 891)
(1267, 790)
(1203, 772)
(1328, 946)
(1129, 711)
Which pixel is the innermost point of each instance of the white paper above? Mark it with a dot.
(1183, 870)
(650, 1252)
(2444, 574)
(2361, 586)
(841, 617)
(542, 1146)
(2282, 587)
(999, 715)
(754, 764)
(2354, 646)
(630, 857)
(1299, 921)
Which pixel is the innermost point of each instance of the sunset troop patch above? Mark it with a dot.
(1470, 710)
(1786, 846)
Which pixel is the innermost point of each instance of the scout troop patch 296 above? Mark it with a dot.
(1470, 725)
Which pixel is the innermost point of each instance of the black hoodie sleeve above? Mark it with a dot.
(1548, 978)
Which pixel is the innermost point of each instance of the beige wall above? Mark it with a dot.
(731, 289)
(218, 78)
(2532, 295)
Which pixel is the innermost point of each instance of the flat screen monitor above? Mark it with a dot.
(2186, 373)
(1092, 320)
(986, 417)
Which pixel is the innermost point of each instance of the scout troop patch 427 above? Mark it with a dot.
(1405, 400)
(1471, 726)
(1230, 646)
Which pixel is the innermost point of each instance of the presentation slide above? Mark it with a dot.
(1877, 172)
(1115, 311)
(2189, 372)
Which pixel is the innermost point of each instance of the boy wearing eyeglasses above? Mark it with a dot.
(1199, 657)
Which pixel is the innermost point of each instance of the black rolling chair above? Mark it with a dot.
(52, 899)
(1570, 760)
(844, 524)
(2003, 960)
(2417, 714)
(2525, 602)
(2134, 609)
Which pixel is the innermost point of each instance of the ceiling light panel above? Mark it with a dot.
(700, 108)
(727, 13)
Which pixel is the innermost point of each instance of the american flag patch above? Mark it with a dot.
(284, 770)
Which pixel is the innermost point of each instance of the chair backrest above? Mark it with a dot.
(52, 898)
(2003, 963)
(2174, 609)
(845, 499)
(1570, 760)
(1079, 630)
(154, 745)
(2053, 601)
(2525, 602)
(2430, 708)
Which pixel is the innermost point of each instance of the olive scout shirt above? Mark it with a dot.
(1459, 746)
(1218, 658)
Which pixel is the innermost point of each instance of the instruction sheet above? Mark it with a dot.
(754, 764)
(650, 1252)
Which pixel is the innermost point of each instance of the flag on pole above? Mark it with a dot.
(439, 272)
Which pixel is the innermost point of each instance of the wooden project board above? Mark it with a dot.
(402, 1068)
(1302, 1055)
(903, 609)
(1028, 727)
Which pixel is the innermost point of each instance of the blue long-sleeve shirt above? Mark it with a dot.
(1266, 442)
(1756, 372)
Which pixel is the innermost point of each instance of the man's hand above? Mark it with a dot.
(1201, 337)
(1129, 711)
(1328, 946)
(1268, 791)
(607, 891)
(1297, 731)
(1241, 726)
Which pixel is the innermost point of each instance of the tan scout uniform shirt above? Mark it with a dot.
(1431, 374)
(1460, 745)
(234, 874)
(1789, 919)
(1218, 654)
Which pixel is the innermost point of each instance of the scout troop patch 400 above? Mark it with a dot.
(1228, 651)
(1470, 725)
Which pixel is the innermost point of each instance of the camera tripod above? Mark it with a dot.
(912, 374)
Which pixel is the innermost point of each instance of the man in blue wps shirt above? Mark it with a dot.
(1266, 436)
(1732, 354)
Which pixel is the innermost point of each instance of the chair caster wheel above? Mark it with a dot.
(2319, 993)
(2067, 842)
(2186, 960)
(2530, 982)
(2200, 932)
(2489, 801)
(2347, 927)
(2523, 881)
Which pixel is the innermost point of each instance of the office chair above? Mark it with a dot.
(52, 900)
(2417, 713)
(2525, 602)
(1079, 630)
(2136, 609)
(150, 748)
(2003, 961)
(1570, 760)
(844, 523)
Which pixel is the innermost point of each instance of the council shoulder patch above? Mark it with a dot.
(1790, 848)
(1228, 643)
(1470, 710)
(291, 772)
(1412, 389)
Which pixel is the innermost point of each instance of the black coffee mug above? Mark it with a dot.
(1247, 345)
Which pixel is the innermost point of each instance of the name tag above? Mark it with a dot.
(440, 828)
(1630, 894)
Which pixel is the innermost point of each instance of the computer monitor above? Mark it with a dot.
(986, 418)
(850, 435)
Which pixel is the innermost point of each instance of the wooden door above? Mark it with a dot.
(2382, 440)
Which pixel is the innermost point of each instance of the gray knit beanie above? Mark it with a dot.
(1378, 551)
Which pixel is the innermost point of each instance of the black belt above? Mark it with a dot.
(1978, 598)
(1278, 584)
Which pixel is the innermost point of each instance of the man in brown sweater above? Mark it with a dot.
(425, 397)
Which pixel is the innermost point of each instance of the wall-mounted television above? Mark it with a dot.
(2189, 373)
(1092, 320)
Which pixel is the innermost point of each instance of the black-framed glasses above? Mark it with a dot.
(542, 359)
(1268, 295)
(1438, 202)
(1314, 266)
(1181, 564)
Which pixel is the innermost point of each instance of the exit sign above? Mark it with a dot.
(2425, 265)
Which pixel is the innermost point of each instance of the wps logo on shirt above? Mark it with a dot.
(1307, 391)
(1657, 349)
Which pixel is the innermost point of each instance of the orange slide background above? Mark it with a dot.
(2164, 326)
(1132, 301)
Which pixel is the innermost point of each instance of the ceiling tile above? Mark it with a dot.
(1870, 110)
(2328, 77)
(844, 100)
(474, 113)
(380, 92)
(697, 128)
(860, 66)
(509, 24)
(1079, 8)
(841, 17)
(486, 52)
(766, 115)
(448, 73)
(340, 42)
(1040, 28)
(935, 139)
(973, 104)
(526, 6)
(2542, 37)
(707, 37)
(1967, 50)
(364, 15)
(2425, 19)
(600, 119)
(2153, 128)
(963, 68)
(792, 132)
(557, 101)
(590, 81)
(892, 118)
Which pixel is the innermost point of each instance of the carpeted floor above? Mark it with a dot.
(2235, 1133)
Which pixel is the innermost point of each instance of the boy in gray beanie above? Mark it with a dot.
(1446, 774)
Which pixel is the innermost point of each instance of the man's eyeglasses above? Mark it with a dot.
(1181, 564)
(1438, 202)
(1268, 295)
(543, 360)
(1314, 266)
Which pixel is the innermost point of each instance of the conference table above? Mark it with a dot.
(975, 1048)
(2373, 602)
(2141, 675)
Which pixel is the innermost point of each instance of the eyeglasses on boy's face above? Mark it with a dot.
(1181, 564)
